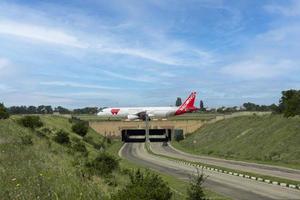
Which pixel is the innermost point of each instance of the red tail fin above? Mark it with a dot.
(188, 105)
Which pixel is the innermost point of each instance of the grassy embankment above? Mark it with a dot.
(270, 139)
(46, 169)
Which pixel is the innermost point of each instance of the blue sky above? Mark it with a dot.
(132, 53)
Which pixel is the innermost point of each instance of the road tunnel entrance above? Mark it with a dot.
(139, 135)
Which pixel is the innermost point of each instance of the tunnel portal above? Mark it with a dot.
(139, 135)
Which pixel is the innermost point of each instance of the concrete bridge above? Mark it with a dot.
(114, 128)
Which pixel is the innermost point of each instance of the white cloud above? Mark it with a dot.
(4, 63)
(78, 85)
(138, 78)
(290, 10)
(40, 33)
(258, 69)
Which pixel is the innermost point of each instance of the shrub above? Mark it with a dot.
(96, 145)
(146, 186)
(81, 128)
(80, 147)
(62, 137)
(26, 139)
(195, 191)
(44, 132)
(178, 135)
(31, 122)
(3, 112)
(103, 164)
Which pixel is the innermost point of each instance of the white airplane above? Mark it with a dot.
(133, 113)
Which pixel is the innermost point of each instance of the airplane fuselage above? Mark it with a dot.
(133, 113)
(128, 112)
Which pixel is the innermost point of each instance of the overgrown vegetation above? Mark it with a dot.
(144, 186)
(34, 165)
(31, 121)
(195, 190)
(80, 127)
(62, 137)
(271, 139)
(103, 164)
(3, 112)
(290, 103)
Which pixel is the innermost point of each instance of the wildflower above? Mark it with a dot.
(14, 179)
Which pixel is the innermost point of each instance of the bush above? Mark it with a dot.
(80, 147)
(62, 137)
(81, 128)
(91, 141)
(26, 139)
(103, 164)
(3, 112)
(146, 186)
(195, 191)
(44, 132)
(31, 122)
(178, 135)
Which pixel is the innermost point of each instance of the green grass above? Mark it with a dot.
(270, 139)
(179, 187)
(45, 169)
(264, 177)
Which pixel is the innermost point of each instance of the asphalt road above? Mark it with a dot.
(232, 186)
(269, 170)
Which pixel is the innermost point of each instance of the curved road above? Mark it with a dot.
(232, 186)
(269, 170)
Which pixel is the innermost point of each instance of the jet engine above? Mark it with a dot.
(132, 117)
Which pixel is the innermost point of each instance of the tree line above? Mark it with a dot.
(47, 109)
(289, 106)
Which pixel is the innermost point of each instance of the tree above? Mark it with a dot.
(289, 103)
(144, 186)
(201, 105)
(42, 109)
(3, 112)
(62, 110)
(31, 110)
(178, 101)
(81, 128)
(86, 110)
(195, 191)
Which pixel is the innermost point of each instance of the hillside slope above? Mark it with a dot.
(45, 169)
(269, 139)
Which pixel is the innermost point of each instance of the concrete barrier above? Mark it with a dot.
(292, 186)
(253, 177)
(267, 181)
